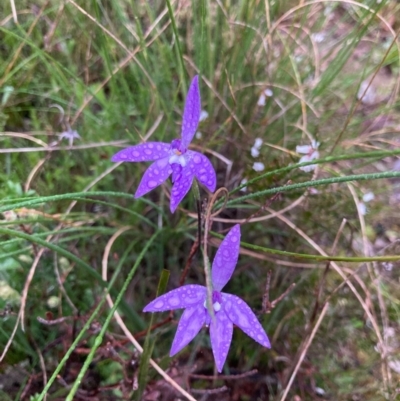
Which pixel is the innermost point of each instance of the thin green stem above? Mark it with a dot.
(73, 195)
(178, 48)
(316, 183)
(329, 159)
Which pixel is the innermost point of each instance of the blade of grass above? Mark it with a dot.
(148, 344)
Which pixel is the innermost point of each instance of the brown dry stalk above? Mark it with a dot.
(304, 348)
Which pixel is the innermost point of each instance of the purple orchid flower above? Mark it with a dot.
(174, 158)
(228, 309)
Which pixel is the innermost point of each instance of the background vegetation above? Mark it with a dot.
(117, 72)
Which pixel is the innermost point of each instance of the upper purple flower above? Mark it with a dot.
(228, 309)
(174, 158)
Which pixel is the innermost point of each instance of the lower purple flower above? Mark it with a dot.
(229, 309)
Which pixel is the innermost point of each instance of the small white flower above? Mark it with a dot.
(258, 143)
(313, 191)
(256, 147)
(263, 97)
(315, 144)
(368, 197)
(199, 135)
(70, 135)
(261, 100)
(203, 115)
(310, 153)
(362, 208)
(388, 266)
(244, 181)
(394, 365)
(258, 166)
(254, 152)
(268, 92)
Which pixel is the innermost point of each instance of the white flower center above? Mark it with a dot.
(216, 306)
(179, 159)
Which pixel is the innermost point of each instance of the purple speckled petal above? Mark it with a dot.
(191, 322)
(144, 152)
(221, 330)
(182, 184)
(191, 114)
(242, 316)
(176, 171)
(154, 176)
(182, 297)
(204, 170)
(226, 258)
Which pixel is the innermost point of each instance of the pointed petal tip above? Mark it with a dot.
(149, 308)
(191, 113)
(236, 229)
(173, 351)
(219, 366)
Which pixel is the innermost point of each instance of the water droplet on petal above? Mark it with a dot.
(159, 304)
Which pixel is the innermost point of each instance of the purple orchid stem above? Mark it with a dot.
(174, 158)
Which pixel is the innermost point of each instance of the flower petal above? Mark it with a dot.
(191, 114)
(143, 152)
(226, 258)
(204, 170)
(315, 144)
(304, 149)
(182, 297)
(154, 176)
(221, 330)
(242, 316)
(191, 322)
(182, 184)
(308, 158)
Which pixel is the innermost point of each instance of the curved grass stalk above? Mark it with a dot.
(316, 258)
(329, 159)
(323, 181)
